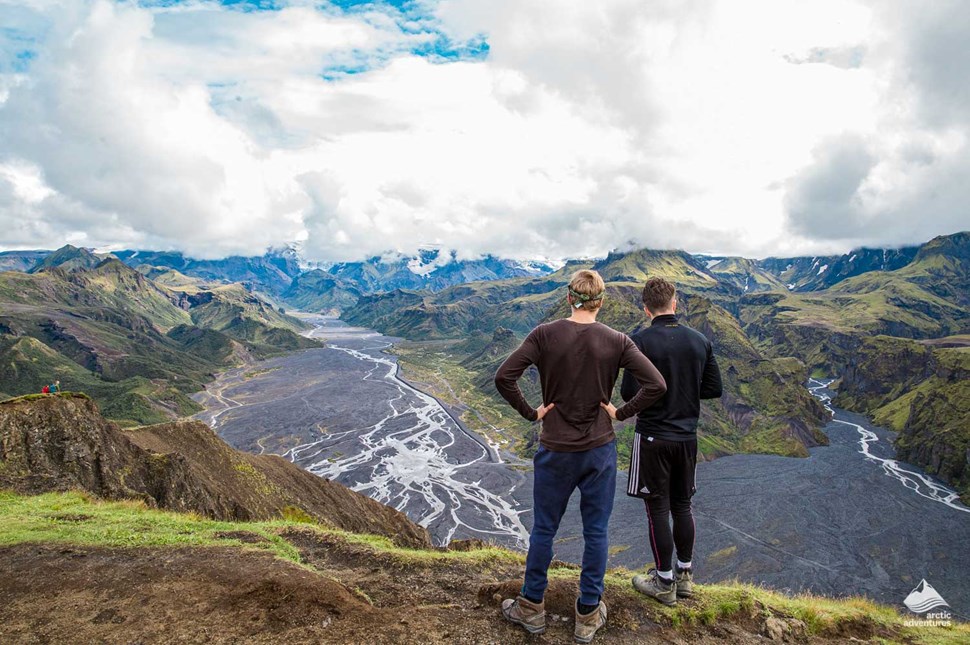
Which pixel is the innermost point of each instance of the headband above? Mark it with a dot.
(582, 297)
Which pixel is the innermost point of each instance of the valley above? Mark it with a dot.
(353, 321)
(342, 413)
(847, 520)
(408, 415)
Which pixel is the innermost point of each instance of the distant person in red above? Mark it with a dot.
(664, 456)
(579, 361)
(46, 389)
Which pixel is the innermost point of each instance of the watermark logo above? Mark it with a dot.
(923, 600)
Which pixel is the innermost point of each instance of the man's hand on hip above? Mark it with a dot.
(610, 409)
(542, 410)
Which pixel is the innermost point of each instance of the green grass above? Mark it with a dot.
(486, 555)
(822, 616)
(36, 397)
(76, 518)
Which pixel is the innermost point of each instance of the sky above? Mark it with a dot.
(546, 129)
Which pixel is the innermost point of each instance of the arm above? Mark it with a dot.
(512, 369)
(629, 386)
(652, 383)
(711, 380)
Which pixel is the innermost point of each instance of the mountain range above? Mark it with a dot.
(138, 346)
(891, 326)
(141, 330)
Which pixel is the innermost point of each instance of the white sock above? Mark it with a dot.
(666, 575)
(683, 565)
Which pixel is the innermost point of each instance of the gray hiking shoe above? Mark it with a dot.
(588, 624)
(685, 583)
(656, 587)
(528, 614)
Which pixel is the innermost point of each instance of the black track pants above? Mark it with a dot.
(662, 474)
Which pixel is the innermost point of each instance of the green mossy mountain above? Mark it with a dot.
(894, 338)
(927, 298)
(766, 409)
(317, 290)
(29, 364)
(748, 276)
(236, 312)
(68, 258)
(819, 273)
(137, 347)
(920, 389)
(768, 338)
(680, 267)
(173, 279)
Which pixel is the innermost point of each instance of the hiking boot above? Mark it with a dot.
(656, 587)
(588, 624)
(530, 615)
(685, 583)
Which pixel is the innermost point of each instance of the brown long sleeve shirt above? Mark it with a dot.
(578, 366)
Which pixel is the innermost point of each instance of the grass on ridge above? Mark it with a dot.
(78, 518)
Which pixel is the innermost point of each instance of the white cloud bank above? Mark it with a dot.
(774, 127)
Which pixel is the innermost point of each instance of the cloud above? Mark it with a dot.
(901, 178)
(539, 129)
(825, 200)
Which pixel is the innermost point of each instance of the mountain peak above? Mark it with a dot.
(68, 258)
(956, 245)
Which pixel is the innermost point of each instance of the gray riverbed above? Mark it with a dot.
(848, 520)
(342, 413)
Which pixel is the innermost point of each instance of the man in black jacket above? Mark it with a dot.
(664, 455)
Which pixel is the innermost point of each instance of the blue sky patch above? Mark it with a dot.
(20, 43)
(241, 5)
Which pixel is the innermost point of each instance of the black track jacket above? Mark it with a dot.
(686, 360)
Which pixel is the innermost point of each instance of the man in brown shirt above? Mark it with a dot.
(579, 360)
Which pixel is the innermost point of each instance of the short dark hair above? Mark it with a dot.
(658, 294)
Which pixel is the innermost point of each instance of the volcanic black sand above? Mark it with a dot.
(837, 523)
(342, 413)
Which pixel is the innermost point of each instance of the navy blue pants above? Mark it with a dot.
(556, 476)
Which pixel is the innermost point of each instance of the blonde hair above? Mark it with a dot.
(586, 289)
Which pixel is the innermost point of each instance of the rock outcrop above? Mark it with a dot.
(57, 443)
